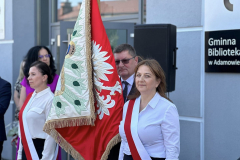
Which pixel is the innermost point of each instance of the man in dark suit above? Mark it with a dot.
(5, 97)
(126, 60)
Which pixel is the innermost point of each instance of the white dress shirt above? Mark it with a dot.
(158, 129)
(36, 118)
(130, 81)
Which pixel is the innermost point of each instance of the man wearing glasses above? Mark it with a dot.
(126, 60)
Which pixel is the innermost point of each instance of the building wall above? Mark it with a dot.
(24, 31)
(207, 103)
(222, 109)
(6, 44)
(187, 16)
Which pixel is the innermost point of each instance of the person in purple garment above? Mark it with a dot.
(37, 53)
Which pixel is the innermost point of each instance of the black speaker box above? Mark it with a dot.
(158, 41)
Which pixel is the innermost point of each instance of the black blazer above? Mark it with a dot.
(5, 97)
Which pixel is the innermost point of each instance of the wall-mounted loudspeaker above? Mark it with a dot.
(158, 41)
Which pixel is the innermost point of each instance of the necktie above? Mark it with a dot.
(125, 90)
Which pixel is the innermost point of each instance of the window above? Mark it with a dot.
(111, 10)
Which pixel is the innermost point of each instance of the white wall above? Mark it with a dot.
(208, 103)
(188, 94)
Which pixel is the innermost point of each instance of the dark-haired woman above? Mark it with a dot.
(37, 53)
(150, 126)
(36, 144)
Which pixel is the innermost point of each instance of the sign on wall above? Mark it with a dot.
(2, 19)
(222, 51)
(222, 36)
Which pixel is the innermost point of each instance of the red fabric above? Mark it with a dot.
(91, 141)
(127, 129)
(23, 137)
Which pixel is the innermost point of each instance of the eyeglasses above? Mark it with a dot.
(47, 56)
(124, 61)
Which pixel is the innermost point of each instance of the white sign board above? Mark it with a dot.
(222, 15)
(2, 19)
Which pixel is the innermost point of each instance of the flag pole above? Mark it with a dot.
(99, 6)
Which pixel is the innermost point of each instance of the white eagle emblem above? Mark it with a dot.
(100, 68)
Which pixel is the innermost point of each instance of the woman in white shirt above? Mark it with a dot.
(36, 144)
(150, 126)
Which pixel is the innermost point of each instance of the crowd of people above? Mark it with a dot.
(150, 122)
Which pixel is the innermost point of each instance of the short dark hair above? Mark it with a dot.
(44, 69)
(125, 47)
(32, 56)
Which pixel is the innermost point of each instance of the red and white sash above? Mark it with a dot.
(26, 138)
(137, 149)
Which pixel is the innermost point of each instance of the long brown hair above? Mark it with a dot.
(157, 70)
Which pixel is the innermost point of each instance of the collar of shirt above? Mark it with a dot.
(41, 93)
(129, 80)
(154, 101)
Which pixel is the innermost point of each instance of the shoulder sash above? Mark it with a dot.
(26, 139)
(130, 127)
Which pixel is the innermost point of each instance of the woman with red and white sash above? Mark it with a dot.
(150, 127)
(36, 144)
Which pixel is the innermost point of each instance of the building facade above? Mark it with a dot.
(207, 103)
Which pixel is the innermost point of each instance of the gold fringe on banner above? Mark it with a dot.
(89, 58)
(65, 145)
(57, 93)
(67, 122)
(116, 139)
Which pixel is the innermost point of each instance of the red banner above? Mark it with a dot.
(95, 142)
